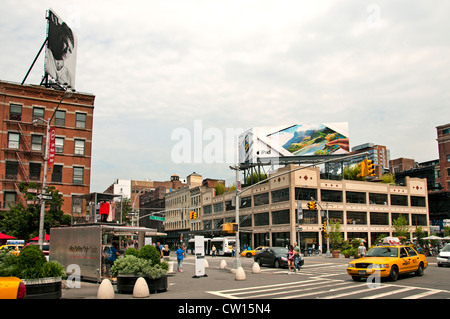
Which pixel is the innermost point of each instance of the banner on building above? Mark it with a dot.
(51, 149)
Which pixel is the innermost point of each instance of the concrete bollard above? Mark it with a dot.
(256, 269)
(105, 290)
(206, 263)
(240, 274)
(170, 270)
(223, 264)
(140, 289)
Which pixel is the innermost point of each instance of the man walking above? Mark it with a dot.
(296, 257)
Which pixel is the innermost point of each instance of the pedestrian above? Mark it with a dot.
(296, 257)
(180, 256)
(111, 257)
(214, 251)
(290, 258)
(361, 250)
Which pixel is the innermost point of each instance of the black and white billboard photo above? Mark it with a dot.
(60, 58)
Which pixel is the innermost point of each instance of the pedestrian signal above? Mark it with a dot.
(230, 228)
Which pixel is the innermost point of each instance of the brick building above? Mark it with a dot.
(443, 139)
(23, 141)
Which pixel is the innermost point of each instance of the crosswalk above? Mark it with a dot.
(316, 281)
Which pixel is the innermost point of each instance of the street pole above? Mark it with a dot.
(44, 180)
(238, 244)
(328, 238)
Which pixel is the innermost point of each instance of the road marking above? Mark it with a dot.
(389, 293)
(424, 294)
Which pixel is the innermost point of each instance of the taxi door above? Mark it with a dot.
(406, 261)
(414, 257)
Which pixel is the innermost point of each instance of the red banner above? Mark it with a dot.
(51, 149)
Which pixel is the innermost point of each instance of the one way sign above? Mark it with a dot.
(45, 197)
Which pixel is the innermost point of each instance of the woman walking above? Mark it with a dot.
(180, 255)
(291, 258)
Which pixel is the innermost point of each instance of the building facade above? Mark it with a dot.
(443, 139)
(23, 142)
(268, 213)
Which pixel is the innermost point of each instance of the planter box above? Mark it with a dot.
(125, 284)
(43, 288)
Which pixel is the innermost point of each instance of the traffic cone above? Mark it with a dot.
(106, 290)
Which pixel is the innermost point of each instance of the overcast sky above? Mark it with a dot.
(158, 68)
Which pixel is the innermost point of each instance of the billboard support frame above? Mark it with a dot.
(34, 61)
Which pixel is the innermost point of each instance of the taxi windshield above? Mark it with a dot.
(382, 252)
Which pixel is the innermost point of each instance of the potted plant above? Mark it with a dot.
(336, 238)
(42, 278)
(146, 264)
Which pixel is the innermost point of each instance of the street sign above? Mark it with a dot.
(162, 219)
(44, 197)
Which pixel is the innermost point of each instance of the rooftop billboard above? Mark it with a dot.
(294, 140)
(61, 53)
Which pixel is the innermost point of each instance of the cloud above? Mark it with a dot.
(155, 66)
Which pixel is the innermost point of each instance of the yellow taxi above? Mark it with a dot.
(12, 288)
(12, 248)
(388, 261)
(252, 252)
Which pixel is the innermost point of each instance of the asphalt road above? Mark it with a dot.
(327, 276)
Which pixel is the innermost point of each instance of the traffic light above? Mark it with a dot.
(192, 215)
(312, 205)
(325, 227)
(370, 167)
(230, 228)
(362, 168)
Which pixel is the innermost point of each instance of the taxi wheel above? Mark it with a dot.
(393, 275)
(249, 255)
(420, 270)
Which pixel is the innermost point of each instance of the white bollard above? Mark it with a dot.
(206, 263)
(170, 270)
(256, 269)
(105, 290)
(223, 264)
(140, 289)
(240, 274)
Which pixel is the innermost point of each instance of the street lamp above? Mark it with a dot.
(237, 203)
(67, 94)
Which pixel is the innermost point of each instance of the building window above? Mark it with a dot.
(336, 216)
(331, 196)
(446, 131)
(448, 158)
(34, 171)
(379, 218)
(207, 209)
(355, 197)
(245, 221)
(281, 217)
(80, 120)
(57, 173)
(78, 175)
(246, 202)
(399, 200)
(309, 217)
(9, 198)
(261, 199)
(15, 112)
(11, 170)
(206, 224)
(418, 201)
(280, 195)
(38, 113)
(79, 147)
(356, 218)
(13, 140)
(59, 145)
(377, 199)
(305, 194)
(261, 219)
(60, 118)
(419, 219)
(36, 142)
(218, 208)
(229, 205)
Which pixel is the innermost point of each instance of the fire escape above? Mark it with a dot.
(19, 154)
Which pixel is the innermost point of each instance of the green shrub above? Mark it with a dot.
(150, 252)
(131, 251)
(54, 269)
(132, 265)
(8, 263)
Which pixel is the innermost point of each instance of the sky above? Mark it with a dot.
(176, 80)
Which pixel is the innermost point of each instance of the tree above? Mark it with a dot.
(352, 172)
(401, 228)
(388, 179)
(336, 237)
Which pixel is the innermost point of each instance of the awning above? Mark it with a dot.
(4, 236)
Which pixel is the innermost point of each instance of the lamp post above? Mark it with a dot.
(237, 203)
(66, 94)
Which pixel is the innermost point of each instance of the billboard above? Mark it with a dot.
(61, 53)
(293, 140)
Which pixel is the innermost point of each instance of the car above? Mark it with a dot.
(274, 256)
(13, 248)
(443, 258)
(252, 252)
(12, 288)
(388, 261)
